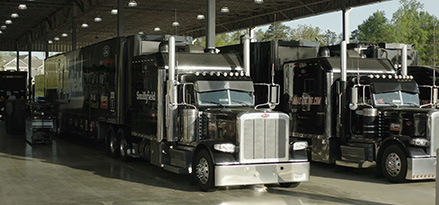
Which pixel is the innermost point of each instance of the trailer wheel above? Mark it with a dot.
(394, 164)
(123, 146)
(112, 143)
(289, 184)
(203, 171)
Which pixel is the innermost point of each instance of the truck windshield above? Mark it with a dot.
(225, 98)
(396, 98)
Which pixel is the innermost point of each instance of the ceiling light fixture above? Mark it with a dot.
(64, 35)
(56, 38)
(50, 41)
(225, 9)
(14, 15)
(22, 7)
(84, 25)
(141, 32)
(98, 19)
(175, 23)
(3, 27)
(132, 3)
(1, 32)
(200, 16)
(259, 1)
(157, 29)
(9, 21)
(114, 11)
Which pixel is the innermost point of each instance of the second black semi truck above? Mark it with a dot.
(380, 124)
(182, 109)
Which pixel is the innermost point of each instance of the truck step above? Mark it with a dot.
(178, 170)
(365, 164)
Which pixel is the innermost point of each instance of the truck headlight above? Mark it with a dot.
(300, 145)
(422, 142)
(226, 147)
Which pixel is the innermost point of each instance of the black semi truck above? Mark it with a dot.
(383, 125)
(160, 98)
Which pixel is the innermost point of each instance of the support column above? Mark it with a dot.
(46, 49)
(30, 71)
(210, 24)
(18, 55)
(120, 12)
(74, 35)
(346, 33)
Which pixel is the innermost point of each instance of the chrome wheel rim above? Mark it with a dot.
(393, 164)
(203, 170)
(112, 144)
(123, 145)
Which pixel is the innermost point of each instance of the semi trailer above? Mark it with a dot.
(12, 86)
(162, 99)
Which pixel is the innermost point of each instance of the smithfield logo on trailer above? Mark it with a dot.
(146, 95)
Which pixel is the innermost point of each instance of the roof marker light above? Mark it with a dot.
(22, 7)
(225, 9)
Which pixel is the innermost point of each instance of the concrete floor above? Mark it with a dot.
(78, 172)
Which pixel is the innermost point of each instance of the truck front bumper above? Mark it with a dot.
(421, 168)
(248, 174)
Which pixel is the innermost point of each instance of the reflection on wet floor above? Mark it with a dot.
(77, 171)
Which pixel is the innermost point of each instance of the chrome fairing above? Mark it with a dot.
(263, 137)
(433, 131)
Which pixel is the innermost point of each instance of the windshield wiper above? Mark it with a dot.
(215, 103)
(412, 104)
(242, 103)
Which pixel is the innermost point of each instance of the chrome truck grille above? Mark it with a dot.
(263, 137)
(433, 131)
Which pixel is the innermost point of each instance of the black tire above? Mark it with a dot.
(203, 171)
(289, 184)
(394, 164)
(112, 143)
(123, 146)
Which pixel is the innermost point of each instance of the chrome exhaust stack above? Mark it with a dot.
(246, 40)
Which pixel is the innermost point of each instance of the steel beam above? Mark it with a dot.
(18, 55)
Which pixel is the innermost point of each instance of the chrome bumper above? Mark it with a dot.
(249, 174)
(421, 168)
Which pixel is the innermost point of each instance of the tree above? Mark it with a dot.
(375, 29)
(277, 31)
(307, 33)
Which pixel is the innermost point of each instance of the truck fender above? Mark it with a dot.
(217, 156)
(396, 139)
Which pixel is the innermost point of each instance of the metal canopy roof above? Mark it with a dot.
(45, 19)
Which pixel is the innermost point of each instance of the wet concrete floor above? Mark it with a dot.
(77, 171)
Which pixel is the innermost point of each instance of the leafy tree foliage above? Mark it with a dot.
(409, 25)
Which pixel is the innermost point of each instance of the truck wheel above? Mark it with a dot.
(394, 164)
(112, 143)
(203, 171)
(289, 184)
(123, 146)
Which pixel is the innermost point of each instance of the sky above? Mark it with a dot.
(333, 21)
